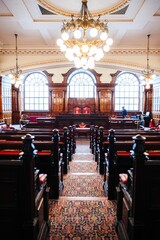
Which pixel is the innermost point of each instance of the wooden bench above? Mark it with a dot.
(117, 160)
(45, 159)
(100, 144)
(24, 197)
(138, 199)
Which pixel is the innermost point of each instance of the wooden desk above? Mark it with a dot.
(82, 131)
(46, 119)
(124, 122)
(76, 119)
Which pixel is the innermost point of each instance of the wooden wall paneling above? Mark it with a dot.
(105, 95)
(105, 101)
(148, 95)
(81, 103)
(50, 102)
(57, 101)
(15, 105)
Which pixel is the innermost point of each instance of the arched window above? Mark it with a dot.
(36, 93)
(127, 92)
(81, 84)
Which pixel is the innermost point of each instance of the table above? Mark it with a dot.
(124, 122)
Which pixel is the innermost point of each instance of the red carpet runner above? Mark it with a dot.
(83, 211)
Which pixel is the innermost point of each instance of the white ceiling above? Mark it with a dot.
(129, 23)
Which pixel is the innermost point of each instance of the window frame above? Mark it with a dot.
(76, 87)
(41, 99)
(127, 97)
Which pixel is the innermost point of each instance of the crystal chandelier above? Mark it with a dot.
(16, 74)
(84, 40)
(148, 74)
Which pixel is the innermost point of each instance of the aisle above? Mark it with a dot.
(83, 211)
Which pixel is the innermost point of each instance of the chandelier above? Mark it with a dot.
(84, 40)
(148, 74)
(16, 74)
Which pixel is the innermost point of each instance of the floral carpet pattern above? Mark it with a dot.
(83, 185)
(82, 212)
(81, 219)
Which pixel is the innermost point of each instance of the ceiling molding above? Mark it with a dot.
(58, 52)
(113, 8)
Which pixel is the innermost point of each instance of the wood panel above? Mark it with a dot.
(105, 101)
(6, 102)
(57, 100)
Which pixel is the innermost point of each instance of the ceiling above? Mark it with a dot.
(38, 24)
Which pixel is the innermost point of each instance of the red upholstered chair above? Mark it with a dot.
(86, 110)
(77, 110)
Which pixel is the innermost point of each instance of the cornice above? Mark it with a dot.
(58, 52)
(115, 7)
(115, 64)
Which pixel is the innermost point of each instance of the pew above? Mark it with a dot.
(24, 197)
(44, 135)
(120, 134)
(100, 145)
(117, 160)
(45, 159)
(138, 198)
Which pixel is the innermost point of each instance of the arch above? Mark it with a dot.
(127, 91)
(35, 93)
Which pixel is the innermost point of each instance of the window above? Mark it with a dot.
(81, 84)
(36, 93)
(127, 92)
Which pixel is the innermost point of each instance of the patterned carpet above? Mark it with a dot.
(82, 212)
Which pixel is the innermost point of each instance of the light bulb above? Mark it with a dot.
(76, 49)
(109, 41)
(100, 53)
(63, 48)
(93, 32)
(83, 60)
(77, 62)
(85, 48)
(91, 64)
(106, 48)
(103, 36)
(92, 51)
(77, 34)
(65, 36)
(59, 42)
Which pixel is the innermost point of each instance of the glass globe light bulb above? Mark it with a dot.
(106, 48)
(85, 48)
(91, 63)
(109, 41)
(83, 60)
(76, 49)
(63, 48)
(103, 36)
(65, 36)
(77, 62)
(92, 51)
(59, 42)
(77, 34)
(93, 32)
